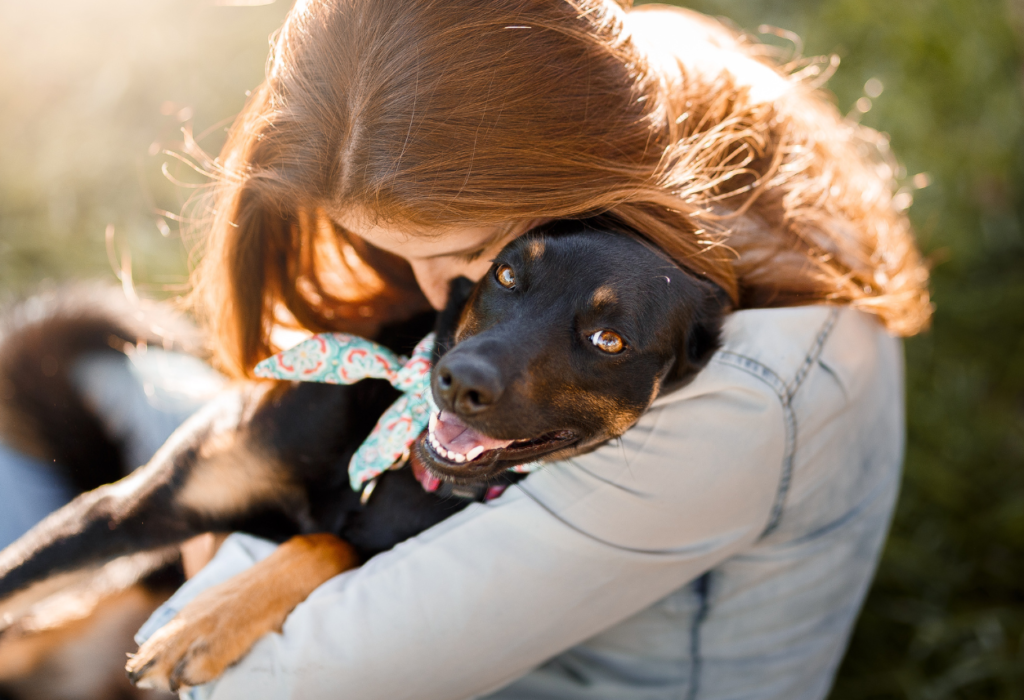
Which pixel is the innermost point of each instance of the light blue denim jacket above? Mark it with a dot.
(721, 549)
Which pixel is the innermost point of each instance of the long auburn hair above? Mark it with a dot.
(441, 112)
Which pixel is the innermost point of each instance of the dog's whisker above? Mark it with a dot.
(625, 458)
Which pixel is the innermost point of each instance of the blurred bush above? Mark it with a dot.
(92, 92)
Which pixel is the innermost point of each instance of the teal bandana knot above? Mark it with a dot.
(340, 358)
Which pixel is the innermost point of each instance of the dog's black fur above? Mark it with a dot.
(41, 412)
(271, 458)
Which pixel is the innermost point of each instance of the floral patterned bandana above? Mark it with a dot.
(340, 358)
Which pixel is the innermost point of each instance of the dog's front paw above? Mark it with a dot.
(220, 626)
(212, 632)
(193, 648)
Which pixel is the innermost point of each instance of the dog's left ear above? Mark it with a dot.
(701, 314)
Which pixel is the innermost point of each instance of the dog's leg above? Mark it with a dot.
(221, 624)
(75, 648)
(211, 474)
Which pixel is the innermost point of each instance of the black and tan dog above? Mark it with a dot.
(561, 347)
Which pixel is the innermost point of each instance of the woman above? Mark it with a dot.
(723, 547)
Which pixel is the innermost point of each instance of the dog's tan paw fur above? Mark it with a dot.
(194, 647)
(223, 623)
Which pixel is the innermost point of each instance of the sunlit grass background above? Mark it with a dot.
(92, 92)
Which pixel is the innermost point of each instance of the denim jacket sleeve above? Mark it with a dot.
(492, 592)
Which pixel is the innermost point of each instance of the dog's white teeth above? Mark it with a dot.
(434, 420)
(449, 454)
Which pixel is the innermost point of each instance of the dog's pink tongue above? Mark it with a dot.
(455, 435)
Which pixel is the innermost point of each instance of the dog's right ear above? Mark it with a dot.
(459, 292)
(703, 335)
(706, 333)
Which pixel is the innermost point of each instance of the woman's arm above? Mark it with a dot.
(497, 589)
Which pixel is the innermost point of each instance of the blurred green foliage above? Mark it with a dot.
(92, 92)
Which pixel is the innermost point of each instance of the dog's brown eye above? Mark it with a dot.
(505, 276)
(608, 341)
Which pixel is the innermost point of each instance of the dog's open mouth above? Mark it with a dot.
(451, 443)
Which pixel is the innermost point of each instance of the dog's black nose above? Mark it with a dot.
(468, 385)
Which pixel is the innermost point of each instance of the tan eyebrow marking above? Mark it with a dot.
(535, 250)
(603, 296)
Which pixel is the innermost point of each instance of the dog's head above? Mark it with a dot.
(562, 346)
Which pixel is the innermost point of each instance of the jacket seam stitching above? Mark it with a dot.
(703, 591)
(776, 383)
(813, 353)
(785, 393)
